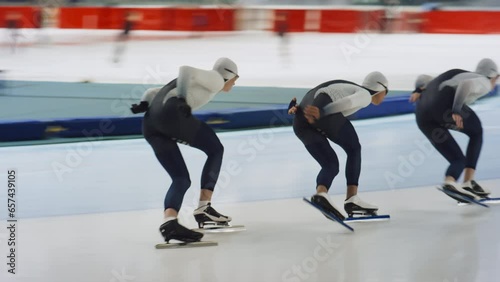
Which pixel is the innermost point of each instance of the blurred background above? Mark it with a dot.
(65, 66)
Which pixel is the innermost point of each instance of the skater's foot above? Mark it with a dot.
(457, 188)
(323, 200)
(473, 187)
(354, 205)
(172, 230)
(208, 214)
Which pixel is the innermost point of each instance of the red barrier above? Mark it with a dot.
(468, 22)
(340, 21)
(22, 17)
(81, 17)
(289, 21)
(180, 19)
(215, 19)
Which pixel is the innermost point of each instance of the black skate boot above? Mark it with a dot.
(354, 205)
(206, 215)
(472, 186)
(325, 204)
(173, 230)
(457, 189)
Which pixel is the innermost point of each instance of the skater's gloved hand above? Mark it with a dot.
(292, 107)
(458, 120)
(414, 97)
(416, 94)
(141, 108)
(184, 108)
(311, 113)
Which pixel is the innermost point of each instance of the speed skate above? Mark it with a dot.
(460, 198)
(486, 201)
(216, 227)
(186, 245)
(364, 217)
(328, 214)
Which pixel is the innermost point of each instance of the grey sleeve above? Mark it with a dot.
(470, 90)
(349, 104)
(183, 81)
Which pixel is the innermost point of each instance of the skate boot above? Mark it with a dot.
(354, 205)
(323, 200)
(173, 230)
(473, 187)
(457, 188)
(206, 215)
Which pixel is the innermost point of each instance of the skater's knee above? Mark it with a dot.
(331, 170)
(182, 183)
(215, 150)
(456, 167)
(458, 160)
(353, 149)
(475, 132)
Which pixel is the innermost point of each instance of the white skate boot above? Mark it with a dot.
(206, 215)
(354, 205)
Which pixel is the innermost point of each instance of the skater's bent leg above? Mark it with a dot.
(170, 157)
(318, 147)
(348, 140)
(441, 138)
(323, 153)
(474, 130)
(207, 141)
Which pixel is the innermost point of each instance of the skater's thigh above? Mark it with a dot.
(441, 138)
(168, 154)
(347, 138)
(307, 133)
(472, 123)
(175, 124)
(323, 153)
(331, 125)
(206, 139)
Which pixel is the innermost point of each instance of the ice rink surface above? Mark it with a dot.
(90, 211)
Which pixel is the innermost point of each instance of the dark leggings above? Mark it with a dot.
(437, 131)
(315, 138)
(164, 132)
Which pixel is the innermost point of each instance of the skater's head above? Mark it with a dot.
(228, 70)
(488, 68)
(422, 81)
(378, 85)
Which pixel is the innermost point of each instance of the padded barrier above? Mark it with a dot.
(238, 118)
(22, 130)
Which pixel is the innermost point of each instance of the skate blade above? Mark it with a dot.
(484, 201)
(186, 245)
(462, 198)
(220, 228)
(331, 217)
(367, 218)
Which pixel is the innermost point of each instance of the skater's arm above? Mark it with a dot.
(190, 77)
(150, 94)
(349, 104)
(470, 90)
(146, 100)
